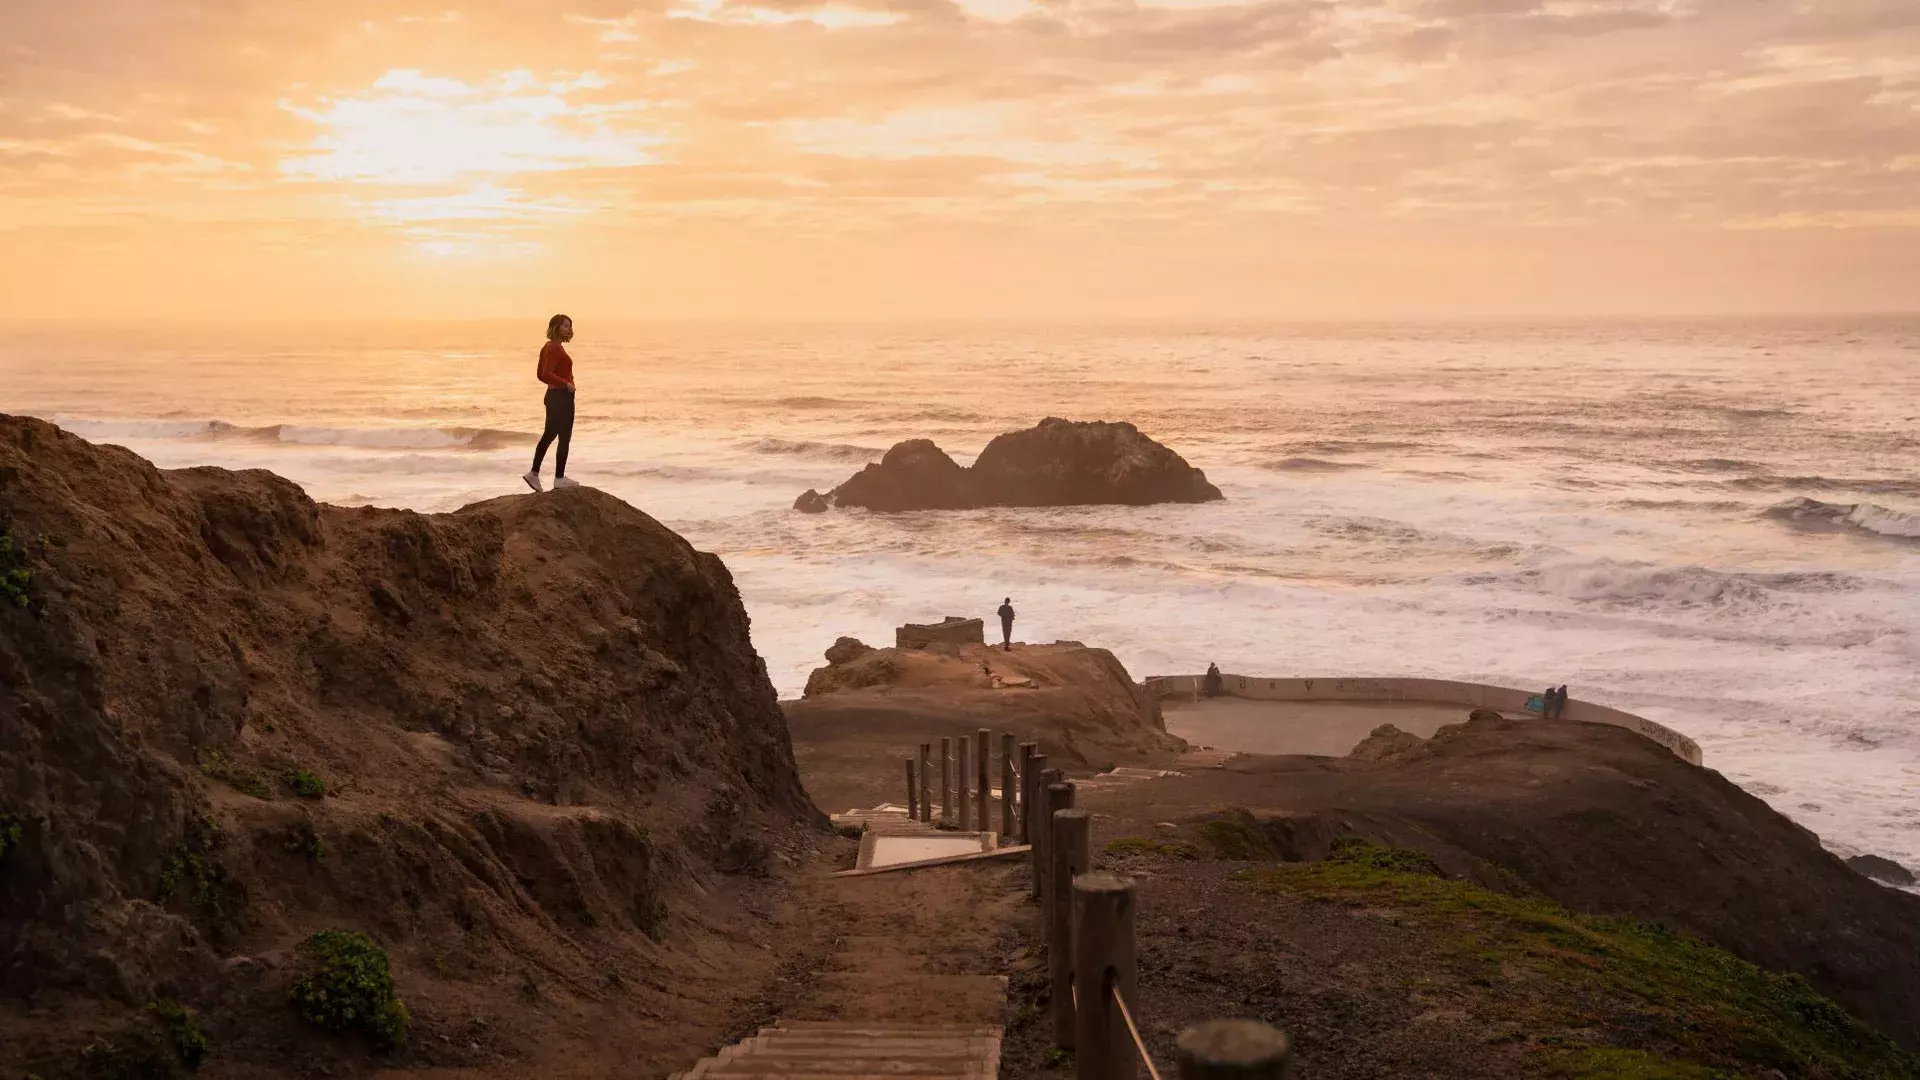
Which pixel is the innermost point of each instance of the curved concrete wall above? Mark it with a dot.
(1444, 691)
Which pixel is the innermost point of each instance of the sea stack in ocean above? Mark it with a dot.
(1054, 463)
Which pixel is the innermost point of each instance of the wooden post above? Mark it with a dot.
(964, 746)
(1103, 963)
(1009, 824)
(983, 769)
(913, 807)
(926, 791)
(1233, 1050)
(1037, 802)
(1027, 751)
(1072, 837)
(1058, 797)
(946, 781)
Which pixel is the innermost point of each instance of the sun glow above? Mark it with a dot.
(412, 128)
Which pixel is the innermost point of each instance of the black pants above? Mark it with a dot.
(559, 426)
(1006, 631)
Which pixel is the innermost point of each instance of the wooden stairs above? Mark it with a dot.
(854, 1050)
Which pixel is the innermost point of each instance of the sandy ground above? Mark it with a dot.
(1329, 728)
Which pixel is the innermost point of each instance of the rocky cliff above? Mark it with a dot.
(869, 704)
(1055, 463)
(527, 746)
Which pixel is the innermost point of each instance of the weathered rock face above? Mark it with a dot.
(846, 649)
(914, 475)
(540, 721)
(1063, 463)
(1882, 869)
(1055, 463)
(1079, 702)
(952, 630)
(1385, 743)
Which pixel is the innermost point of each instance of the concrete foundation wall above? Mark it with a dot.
(1444, 691)
(952, 630)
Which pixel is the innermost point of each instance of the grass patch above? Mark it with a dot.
(345, 985)
(216, 765)
(1610, 1063)
(1143, 845)
(1694, 1010)
(306, 783)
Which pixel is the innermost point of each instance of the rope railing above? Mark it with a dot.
(1088, 917)
(1133, 1029)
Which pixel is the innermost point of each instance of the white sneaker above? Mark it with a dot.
(564, 482)
(532, 479)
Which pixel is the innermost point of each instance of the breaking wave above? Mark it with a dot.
(399, 438)
(1307, 464)
(1872, 486)
(1865, 517)
(1648, 584)
(804, 448)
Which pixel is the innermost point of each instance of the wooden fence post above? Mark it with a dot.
(1027, 752)
(1103, 964)
(964, 747)
(926, 790)
(1009, 827)
(1233, 1050)
(1037, 810)
(1072, 837)
(983, 770)
(913, 806)
(1058, 797)
(946, 781)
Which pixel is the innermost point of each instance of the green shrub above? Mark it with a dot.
(168, 1046)
(215, 764)
(306, 783)
(9, 834)
(190, 1044)
(16, 578)
(192, 872)
(345, 985)
(1141, 845)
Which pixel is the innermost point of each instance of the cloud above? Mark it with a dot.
(1430, 118)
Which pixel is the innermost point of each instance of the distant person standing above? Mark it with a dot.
(1006, 624)
(1560, 703)
(556, 370)
(1213, 683)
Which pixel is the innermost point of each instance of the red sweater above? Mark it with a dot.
(556, 367)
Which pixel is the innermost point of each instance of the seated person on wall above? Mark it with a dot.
(1213, 683)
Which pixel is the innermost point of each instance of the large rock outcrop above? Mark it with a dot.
(1055, 463)
(543, 734)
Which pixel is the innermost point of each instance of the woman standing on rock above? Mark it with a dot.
(556, 370)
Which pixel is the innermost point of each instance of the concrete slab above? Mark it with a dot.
(892, 850)
(1016, 851)
(1329, 728)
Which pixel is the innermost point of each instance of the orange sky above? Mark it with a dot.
(911, 158)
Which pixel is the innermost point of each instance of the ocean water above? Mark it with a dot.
(1714, 525)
